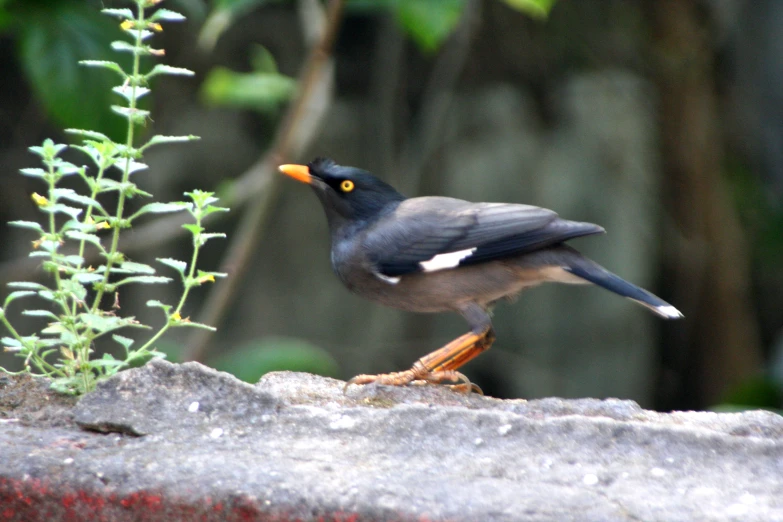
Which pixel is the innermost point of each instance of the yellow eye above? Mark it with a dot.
(346, 185)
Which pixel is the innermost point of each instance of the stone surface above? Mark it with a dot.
(184, 442)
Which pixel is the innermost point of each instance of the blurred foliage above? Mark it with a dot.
(757, 393)
(427, 22)
(252, 360)
(264, 89)
(757, 211)
(533, 8)
(53, 35)
(223, 14)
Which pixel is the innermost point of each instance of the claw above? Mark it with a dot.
(438, 366)
(413, 376)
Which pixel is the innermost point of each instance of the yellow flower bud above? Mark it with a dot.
(39, 199)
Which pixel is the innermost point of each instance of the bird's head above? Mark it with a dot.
(348, 194)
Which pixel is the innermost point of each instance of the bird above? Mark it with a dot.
(439, 254)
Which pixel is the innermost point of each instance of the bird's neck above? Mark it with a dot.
(341, 227)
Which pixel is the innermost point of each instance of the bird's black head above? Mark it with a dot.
(348, 194)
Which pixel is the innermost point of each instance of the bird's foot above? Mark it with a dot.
(416, 376)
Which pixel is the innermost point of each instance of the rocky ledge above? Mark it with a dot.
(183, 442)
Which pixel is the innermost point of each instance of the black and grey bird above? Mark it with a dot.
(440, 254)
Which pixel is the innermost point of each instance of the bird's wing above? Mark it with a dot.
(433, 233)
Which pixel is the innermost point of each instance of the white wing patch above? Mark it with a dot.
(444, 261)
(387, 279)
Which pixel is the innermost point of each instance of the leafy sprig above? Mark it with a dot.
(75, 302)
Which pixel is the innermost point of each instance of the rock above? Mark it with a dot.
(184, 442)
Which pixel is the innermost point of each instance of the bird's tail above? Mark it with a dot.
(600, 276)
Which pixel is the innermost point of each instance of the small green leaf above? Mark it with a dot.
(136, 115)
(176, 264)
(130, 165)
(212, 209)
(88, 277)
(166, 15)
(205, 237)
(193, 228)
(26, 285)
(107, 361)
(136, 268)
(146, 279)
(106, 64)
(46, 294)
(155, 140)
(125, 14)
(73, 260)
(139, 358)
(16, 295)
(40, 313)
(192, 324)
(81, 236)
(106, 323)
(11, 342)
(123, 46)
(168, 70)
(32, 225)
(66, 169)
(154, 303)
(124, 341)
(129, 93)
(75, 197)
(88, 134)
(203, 276)
(159, 208)
(59, 208)
(201, 198)
(33, 172)
(74, 288)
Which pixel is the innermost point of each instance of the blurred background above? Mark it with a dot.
(661, 120)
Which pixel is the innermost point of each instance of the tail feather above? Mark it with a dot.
(605, 279)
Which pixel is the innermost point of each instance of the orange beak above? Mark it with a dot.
(298, 172)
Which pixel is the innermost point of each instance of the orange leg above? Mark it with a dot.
(440, 365)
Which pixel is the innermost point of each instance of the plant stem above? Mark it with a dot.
(134, 80)
(188, 284)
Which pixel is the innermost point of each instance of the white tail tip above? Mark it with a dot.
(669, 312)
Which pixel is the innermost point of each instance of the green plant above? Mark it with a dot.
(76, 297)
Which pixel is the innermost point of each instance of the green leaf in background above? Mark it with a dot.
(532, 8)
(262, 60)
(429, 22)
(53, 38)
(759, 392)
(6, 18)
(258, 90)
(252, 360)
(222, 16)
